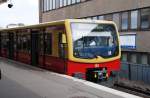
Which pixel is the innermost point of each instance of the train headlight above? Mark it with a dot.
(95, 75)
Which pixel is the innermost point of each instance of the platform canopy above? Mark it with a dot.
(2, 1)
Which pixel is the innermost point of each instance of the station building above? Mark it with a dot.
(131, 16)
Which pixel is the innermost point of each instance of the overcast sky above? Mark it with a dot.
(23, 11)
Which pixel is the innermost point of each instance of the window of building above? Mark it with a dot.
(144, 59)
(116, 19)
(57, 3)
(133, 58)
(73, 1)
(124, 57)
(128, 57)
(124, 21)
(134, 19)
(101, 17)
(138, 58)
(45, 5)
(78, 1)
(95, 18)
(108, 17)
(89, 18)
(60, 3)
(42, 5)
(54, 4)
(69, 2)
(51, 4)
(148, 59)
(48, 6)
(65, 2)
(145, 18)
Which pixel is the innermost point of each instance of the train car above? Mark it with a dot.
(87, 49)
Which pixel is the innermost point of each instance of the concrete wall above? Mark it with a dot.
(2, 1)
(93, 7)
(143, 41)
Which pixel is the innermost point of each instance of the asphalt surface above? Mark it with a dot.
(25, 81)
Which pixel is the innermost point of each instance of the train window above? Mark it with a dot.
(62, 45)
(15, 42)
(4, 40)
(89, 39)
(48, 43)
(64, 39)
(23, 42)
(41, 43)
(19, 42)
(26, 42)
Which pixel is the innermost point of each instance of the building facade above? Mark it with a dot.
(131, 16)
(2, 1)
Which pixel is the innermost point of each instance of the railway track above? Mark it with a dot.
(145, 93)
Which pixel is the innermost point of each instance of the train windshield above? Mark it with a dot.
(91, 40)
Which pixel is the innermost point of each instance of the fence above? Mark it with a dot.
(135, 72)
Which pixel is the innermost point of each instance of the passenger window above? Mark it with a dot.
(48, 43)
(62, 45)
(4, 40)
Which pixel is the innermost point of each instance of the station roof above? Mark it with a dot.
(2, 1)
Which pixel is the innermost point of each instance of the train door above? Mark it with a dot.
(34, 48)
(62, 50)
(11, 46)
(62, 46)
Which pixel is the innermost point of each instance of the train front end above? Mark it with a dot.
(94, 50)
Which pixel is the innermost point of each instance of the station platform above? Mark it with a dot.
(26, 81)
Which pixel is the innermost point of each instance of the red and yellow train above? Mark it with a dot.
(86, 49)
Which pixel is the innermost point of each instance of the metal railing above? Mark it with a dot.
(135, 72)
